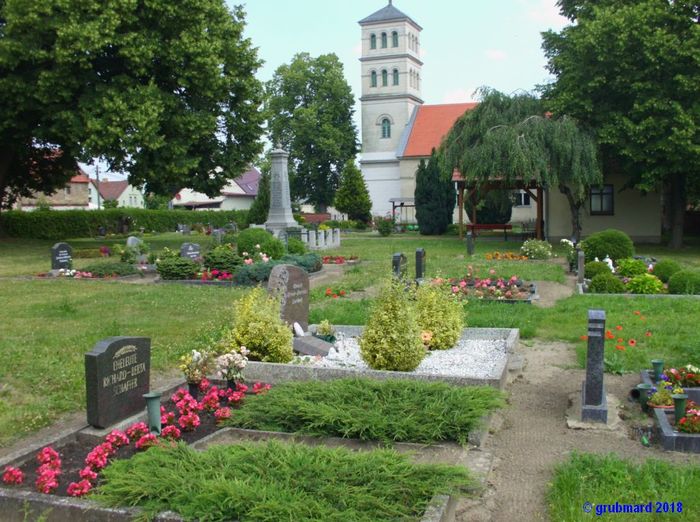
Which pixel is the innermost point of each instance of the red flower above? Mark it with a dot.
(648, 333)
(620, 340)
(12, 475)
(620, 347)
(618, 327)
(609, 334)
(637, 312)
(584, 338)
(632, 342)
(329, 291)
(335, 296)
(78, 489)
(342, 292)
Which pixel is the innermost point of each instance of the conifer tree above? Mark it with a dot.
(261, 204)
(352, 196)
(434, 197)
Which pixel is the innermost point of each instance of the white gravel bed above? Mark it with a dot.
(473, 358)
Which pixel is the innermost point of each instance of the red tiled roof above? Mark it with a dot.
(431, 124)
(110, 190)
(80, 178)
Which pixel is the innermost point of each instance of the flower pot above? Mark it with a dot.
(643, 397)
(193, 389)
(679, 402)
(658, 365)
(231, 384)
(659, 406)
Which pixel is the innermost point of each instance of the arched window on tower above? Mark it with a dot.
(373, 79)
(410, 78)
(396, 77)
(384, 41)
(394, 39)
(386, 128)
(373, 41)
(418, 81)
(385, 78)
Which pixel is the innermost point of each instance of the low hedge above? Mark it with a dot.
(684, 282)
(85, 223)
(111, 269)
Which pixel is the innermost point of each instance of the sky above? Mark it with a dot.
(465, 44)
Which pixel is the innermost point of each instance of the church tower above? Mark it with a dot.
(391, 91)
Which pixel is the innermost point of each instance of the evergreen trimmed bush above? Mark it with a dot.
(440, 316)
(391, 339)
(434, 197)
(176, 268)
(352, 196)
(296, 246)
(606, 283)
(645, 284)
(611, 242)
(631, 267)
(248, 238)
(222, 257)
(258, 327)
(310, 262)
(684, 282)
(111, 268)
(593, 268)
(254, 273)
(665, 269)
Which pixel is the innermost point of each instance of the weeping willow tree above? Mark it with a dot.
(512, 138)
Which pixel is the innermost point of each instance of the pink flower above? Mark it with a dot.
(222, 413)
(78, 489)
(167, 418)
(189, 421)
(240, 387)
(259, 387)
(97, 458)
(248, 261)
(235, 396)
(117, 439)
(47, 481)
(88, 473)
(492, 271)
(12, 475)
(204, 384)
(46, 455)
(211, 400)
(146, 441)
(455, 289)
(462, 283)
(170, 432)
(137, 430)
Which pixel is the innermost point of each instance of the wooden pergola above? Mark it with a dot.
(497, 184)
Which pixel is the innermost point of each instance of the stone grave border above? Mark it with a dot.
(692, 392)
(580, 291)
(16, 504)
(280, 372)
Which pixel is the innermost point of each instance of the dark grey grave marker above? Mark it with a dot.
(291, 283)
(191, 251)
(470, 243)
(117, 374)
(398, 265)
(594, 406)
(310, 345)
(61, 256)
(420, 264)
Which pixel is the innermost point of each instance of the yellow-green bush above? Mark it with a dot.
(391, 340)
(440, 315)
(258, 327)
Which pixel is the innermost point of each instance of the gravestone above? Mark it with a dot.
(61, 256)
(581, 260)
(133, 242)
(117, 374)
(594, 406)
(310, 345)
(398, 265)
(218, 235)
(420, 264)
(184, 229)
(291, 284)
(313, 239)
(190, 251)
(279, 217)
(470, 243)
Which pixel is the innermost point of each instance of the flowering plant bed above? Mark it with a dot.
(339, 260)
(505, 256)
(489, 288)
(675, 439)
(693, 392)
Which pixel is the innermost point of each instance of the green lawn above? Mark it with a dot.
(48, 325)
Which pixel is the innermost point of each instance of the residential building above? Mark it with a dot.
(237, 194)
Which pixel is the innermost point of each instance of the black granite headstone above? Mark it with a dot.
(398, 265)
(420, 263)
(117, 374)
(61, 256)
(470, 243)
(594, 405)
(190, 251)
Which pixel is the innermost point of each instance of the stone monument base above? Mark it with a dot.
(593, 412)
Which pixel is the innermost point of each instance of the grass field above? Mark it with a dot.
(48, 325)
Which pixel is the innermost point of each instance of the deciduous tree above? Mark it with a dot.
(162, 90)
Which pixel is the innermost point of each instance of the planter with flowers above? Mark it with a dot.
(686, 378)
(491, 287)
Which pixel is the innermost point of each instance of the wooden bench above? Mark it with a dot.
(474, 228)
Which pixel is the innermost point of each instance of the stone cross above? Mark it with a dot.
(420, 264)
(61, 256)
(280, 215)
(594, 407)
(117, 374)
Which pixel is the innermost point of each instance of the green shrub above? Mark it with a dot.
(85, 223)
(631, 267)
(440, 316)
(254, 273)
(258, 327)
(606, 283)
(250, 237)
(611, 242)
(309, 262)
(684, 282)
(645, 284)
(593, 268)
(296, 246)
(222, 257)
(391, 340)
(110, 269)
(536, 249)
(172, 268)
(665, 269)
(385, 226)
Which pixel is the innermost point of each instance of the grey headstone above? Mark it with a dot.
(190, 251)
(133, 241)
(594, 404)
(420, 263)
(117, 374)
(310, 345)
(218, 235)
(61, 256)
(313, 239)
(398, 265)
(470, 243)
(581, 268)
(291, 284)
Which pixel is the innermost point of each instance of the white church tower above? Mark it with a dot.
(391, 90)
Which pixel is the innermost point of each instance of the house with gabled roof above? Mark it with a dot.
(73, 196)
(237, 194)
(124, 194)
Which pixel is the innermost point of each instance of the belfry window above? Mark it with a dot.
(386, 128)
